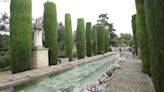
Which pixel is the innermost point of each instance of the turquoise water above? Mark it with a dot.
(70, 80)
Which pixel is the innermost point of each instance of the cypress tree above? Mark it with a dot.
(80, 38)
(50, 28)
(143, 37)
(100, 39)
(154, 12)
(88, 39)
(106, 40)
(134, 33)
(68, 38)
(94, 35)
(21, 35)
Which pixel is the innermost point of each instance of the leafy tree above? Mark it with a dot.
(154, 13)
(50, 28)
(80, 38)
(103, 20)
(68, 39)
(20, 35)
(125, 38)
(88, 39)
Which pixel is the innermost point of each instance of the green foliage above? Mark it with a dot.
(88, 39)
(124, 38)
(4, 42)
(100, 39)
(80, 38)
(134, 33)
(50, 28)
(143, 37)
(68, 39)
(94, 37)
(154, 12)
(106, 40)
(20, 35)
(4, 51)
(4, 61)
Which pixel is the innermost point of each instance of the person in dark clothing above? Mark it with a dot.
(120, 50)
(133, 51)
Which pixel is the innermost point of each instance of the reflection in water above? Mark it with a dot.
(70, 80)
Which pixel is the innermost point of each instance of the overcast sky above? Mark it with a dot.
(119, 11)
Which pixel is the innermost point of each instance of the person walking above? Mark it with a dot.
(133, 51)
(120, 50)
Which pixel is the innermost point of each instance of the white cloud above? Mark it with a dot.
(120, 11)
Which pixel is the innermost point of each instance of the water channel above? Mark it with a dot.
(70, 80)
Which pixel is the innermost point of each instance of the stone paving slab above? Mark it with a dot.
(130, 78)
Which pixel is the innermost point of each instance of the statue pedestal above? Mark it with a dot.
(40, 57)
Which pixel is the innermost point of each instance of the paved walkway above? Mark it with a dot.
(130, 78)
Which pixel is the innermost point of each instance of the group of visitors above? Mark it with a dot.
(131, 49)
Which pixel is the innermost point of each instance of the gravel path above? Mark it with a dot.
(130, 78)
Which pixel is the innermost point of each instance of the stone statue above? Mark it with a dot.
(38, 33)
(40, 54)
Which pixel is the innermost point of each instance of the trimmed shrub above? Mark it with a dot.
(68, 38)
(106, 40)
(88, 39)
(142, 37)
(100, 39)
(50, 29)
(21, 35)
(80, 38)
(94, 35)
(134, 33)
(154, 12)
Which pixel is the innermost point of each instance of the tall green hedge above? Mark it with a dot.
(88, 39)
(106, 40)
(94, 37)
(154, 12)
(134, 33)
(143, 37)
(21, 35)
(80, 38)
(50, 29)
(100, 39)
(68, 38)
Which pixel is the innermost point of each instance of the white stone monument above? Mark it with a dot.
(40, 54)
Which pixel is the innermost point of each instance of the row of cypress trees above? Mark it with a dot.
(80, 38)
(100, 39)
(149, 29)
(142, 37)
(20, 35)
(50, 29)
(94, 38)
(134, 33)
(154, 13)
(89, 41)
(97, 39)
